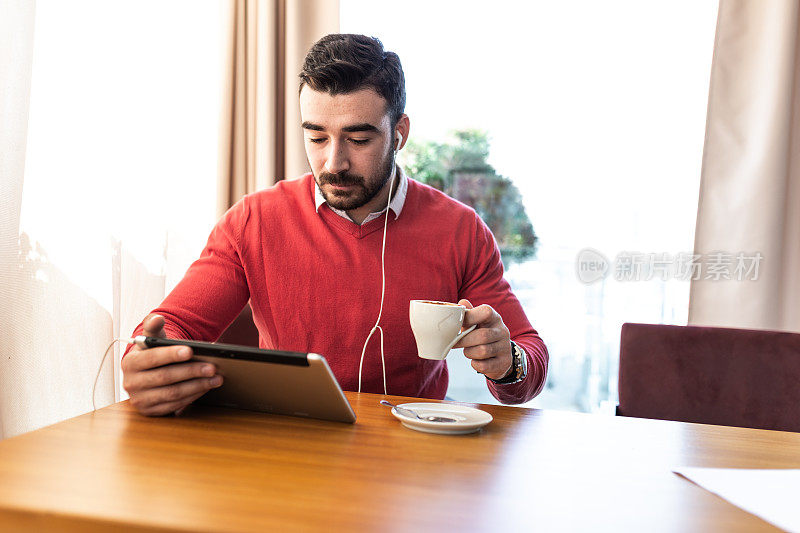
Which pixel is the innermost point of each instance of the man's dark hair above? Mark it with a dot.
(342, 63)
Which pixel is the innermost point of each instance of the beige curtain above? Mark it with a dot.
(750, 187)
(260, 138)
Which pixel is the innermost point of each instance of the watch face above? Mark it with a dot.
(519, 362)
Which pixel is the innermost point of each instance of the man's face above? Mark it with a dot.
(348, 144)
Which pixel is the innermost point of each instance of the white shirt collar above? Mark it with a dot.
(395, 205)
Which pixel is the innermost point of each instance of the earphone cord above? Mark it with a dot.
(103, 360)
(383, 293)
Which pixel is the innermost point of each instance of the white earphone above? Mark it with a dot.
(377, 326)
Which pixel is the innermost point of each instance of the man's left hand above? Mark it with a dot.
(489, 344)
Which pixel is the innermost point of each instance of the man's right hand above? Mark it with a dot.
(156, 389)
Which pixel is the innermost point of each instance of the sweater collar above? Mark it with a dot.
(396, 205)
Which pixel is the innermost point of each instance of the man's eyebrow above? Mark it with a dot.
(364, 126)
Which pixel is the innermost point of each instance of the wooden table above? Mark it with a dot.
(227, 470)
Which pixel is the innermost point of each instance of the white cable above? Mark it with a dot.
(383, 293)
(103, 360)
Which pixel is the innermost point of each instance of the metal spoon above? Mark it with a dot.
(427, 418)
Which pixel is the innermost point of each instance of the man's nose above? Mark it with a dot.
(338, 160)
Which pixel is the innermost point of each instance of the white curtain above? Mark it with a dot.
(16, 53)
(108, 176)
(750, 188)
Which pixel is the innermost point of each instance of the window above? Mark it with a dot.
(596, 112)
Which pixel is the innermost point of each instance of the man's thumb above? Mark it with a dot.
(153, 326)
(465, 303)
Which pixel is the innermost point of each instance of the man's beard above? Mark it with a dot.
(361, 192)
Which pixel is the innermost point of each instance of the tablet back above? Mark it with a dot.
(298, 386)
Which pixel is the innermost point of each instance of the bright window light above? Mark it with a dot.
(596, 111)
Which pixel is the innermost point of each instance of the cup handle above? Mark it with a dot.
(458, 338)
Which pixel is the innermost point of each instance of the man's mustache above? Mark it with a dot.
(340, 178)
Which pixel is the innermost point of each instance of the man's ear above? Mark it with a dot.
(401, 129)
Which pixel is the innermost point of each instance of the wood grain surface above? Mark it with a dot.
(227, 470)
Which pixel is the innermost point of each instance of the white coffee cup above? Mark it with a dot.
(436, 327)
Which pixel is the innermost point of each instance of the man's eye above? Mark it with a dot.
(316, 140)
(359, 141)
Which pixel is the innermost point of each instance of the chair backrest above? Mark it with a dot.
(242, 330)
(722, 376)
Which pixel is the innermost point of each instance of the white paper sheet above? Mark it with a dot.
(773, 495)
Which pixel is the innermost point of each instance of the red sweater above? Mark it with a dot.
(314, 283)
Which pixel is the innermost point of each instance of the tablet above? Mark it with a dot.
(270, 381)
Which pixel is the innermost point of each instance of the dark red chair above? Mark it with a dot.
(242, 330)
(730, 377)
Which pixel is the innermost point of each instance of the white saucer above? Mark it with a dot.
(468, 419)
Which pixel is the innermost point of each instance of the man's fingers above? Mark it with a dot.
(167, 375)
(159, 380)
(138, 360)
(494, 368)
(480, 336)
(171, 407)
(485, 351)
(164, 400)
(483, 314)
(186, 403)
(165, 408)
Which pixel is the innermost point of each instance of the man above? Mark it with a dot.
(307, 254)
